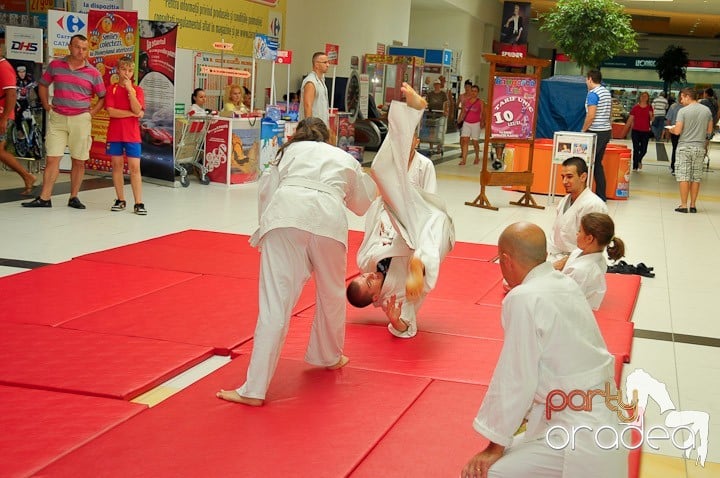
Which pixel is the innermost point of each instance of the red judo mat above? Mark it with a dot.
(88, 363)
(440, 356)
(478, 252)
(620, 298)
(39, 426)
(317, 423)
(57, 293)
(212, 311)
(201, 252)
(466, 280)
(433, 438)
(439, 316)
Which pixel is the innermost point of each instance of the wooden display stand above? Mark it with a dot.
(506, 178)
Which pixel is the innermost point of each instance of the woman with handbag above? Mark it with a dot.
(640, 121)
(303, 229)
(470, 125)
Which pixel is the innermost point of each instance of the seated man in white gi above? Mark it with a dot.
(552, 345)
(408, 233)
(578, 201)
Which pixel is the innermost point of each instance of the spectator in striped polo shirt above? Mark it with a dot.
(598, 107)
(75, 82)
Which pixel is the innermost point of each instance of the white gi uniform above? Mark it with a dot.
(408, 221)
(589, 272)
(552, 342)
(421, 173)
(563, 238)
(320, 107)
(303, 228)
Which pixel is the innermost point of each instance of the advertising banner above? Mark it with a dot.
(203, 24)
(24, 44)
(111, 36)
(61, 27)
(216, 150)
(156, 76)
(515, 23)
(272, 136)
(84, 6)
(265, 47)
(513, 107)
(333, 53)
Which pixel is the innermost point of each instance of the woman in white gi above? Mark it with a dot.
(303, 229)
(586, 264)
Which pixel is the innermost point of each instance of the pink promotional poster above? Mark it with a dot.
(513, 107)
(111, 36)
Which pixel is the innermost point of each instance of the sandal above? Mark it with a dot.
(643, 270)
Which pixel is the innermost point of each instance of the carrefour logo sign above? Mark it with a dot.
(71, 23)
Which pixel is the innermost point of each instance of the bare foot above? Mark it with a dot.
(340, 363)
(233, 396)
(462, 163)
(413, 99)
(414, 283)
(29, 184)
(477, 161)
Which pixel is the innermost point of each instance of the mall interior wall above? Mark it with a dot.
(357, 27)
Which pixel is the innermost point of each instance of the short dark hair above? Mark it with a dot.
(78, 36)
(579, 163)
(316, 55)
(690, 92)
(595, 76)
(475, 87)
(356, 297)
(468, 82)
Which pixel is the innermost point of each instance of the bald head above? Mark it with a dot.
(525, 243)
(522, 247)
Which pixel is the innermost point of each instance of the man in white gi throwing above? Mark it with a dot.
(407, 234)
(552, 344)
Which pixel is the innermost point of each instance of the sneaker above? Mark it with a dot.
(118, 206)
(75, 203)
(38, 202)
(140, 209)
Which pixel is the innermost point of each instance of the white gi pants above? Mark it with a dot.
(288, 257)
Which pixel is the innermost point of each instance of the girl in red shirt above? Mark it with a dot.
(641, 117)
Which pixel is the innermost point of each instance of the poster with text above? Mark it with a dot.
(232, 21)
(84, 6)
(156, 76)
(513, 107)
(111, 36)
(24, 44)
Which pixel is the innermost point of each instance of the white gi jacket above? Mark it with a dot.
(552, 342)
(563, 238)
(589, 272)
(315, 180)
(408, 221)
(421, 173)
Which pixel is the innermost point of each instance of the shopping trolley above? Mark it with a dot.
(190, 148)
(432, 130)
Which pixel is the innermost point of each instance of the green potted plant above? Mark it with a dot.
(590, 31)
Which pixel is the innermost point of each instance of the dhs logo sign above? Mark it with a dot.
(24, 46)
(71, 23)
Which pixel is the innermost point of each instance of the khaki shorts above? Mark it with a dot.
(70, 131)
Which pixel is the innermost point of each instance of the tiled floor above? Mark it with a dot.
(681, 247)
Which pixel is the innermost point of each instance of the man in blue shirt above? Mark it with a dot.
(598, 106)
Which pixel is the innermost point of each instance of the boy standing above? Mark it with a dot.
(125, 104)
